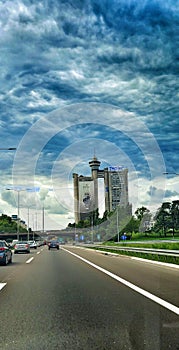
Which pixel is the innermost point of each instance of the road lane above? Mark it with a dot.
(157, 279)
(58, 302)
(6, 272)
(143, 292)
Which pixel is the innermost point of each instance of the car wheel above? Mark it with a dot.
(6, 260)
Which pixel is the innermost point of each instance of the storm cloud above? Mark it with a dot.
(59, 53)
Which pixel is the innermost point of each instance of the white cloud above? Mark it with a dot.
(65, 57)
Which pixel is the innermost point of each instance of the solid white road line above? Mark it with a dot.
(174, 266)
(29, 261)
(2, 285)
(143, 292)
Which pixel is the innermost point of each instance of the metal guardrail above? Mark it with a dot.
(164, 252)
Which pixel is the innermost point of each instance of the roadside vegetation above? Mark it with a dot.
(9, 225)
(140, 226)
(146, 255)
(140, 230)
(144, 244)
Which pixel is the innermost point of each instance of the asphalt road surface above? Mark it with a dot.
(54, 300)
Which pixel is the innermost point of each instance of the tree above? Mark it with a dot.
(140, 212)
(132, 226)
(9, 225)
(163, 218)
(174, 209)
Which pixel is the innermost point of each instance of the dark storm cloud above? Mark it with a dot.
(109, 39)
(121, 52)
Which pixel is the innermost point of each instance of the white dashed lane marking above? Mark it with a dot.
(29, 260)
(2, 285)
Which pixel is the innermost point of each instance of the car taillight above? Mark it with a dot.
(2, 249)
(27, 246)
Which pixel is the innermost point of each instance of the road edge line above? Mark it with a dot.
(139, 290)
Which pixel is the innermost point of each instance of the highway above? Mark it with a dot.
(78, 299)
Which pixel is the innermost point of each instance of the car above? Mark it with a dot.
(40, 243)
(33, 244)
(53, 244)
(5, 253)
(22, 247)
(12, 244)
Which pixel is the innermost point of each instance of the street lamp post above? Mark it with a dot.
(18, 210)
(43, 221)
(18, 190)
(92, 228)
(28, 224)
(117, 213)
(18, 207)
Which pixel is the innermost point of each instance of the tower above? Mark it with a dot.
(86, 190)
(95, 164)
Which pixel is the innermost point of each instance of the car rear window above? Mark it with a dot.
(22, 242)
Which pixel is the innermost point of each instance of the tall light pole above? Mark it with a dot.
(92, 228)
(43, 219)
(18, 190)
(18, 206)
(28, 224)
(117, 221)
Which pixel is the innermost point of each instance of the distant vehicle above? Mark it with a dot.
(22, 247)
(33, 244)
(53, 244)
(12, 244)
(61, 241)
(40, 243)
(5, 253)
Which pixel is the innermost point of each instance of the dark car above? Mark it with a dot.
(5, 253)
(53, 244)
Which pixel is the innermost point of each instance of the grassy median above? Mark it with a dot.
(146, 255)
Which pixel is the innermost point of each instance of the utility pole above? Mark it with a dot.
(43, 219)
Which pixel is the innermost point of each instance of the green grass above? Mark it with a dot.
(149, 256)
(144, 243)
(157, 245)
(154, 236)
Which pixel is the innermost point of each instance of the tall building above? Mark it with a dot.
(116, 187)
(86, 190)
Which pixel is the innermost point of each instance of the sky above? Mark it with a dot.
(85, 77)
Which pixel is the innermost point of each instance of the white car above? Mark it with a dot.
(22, 247)
(12, 244)
(33, 244)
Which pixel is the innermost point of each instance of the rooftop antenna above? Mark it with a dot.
(94, 157)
